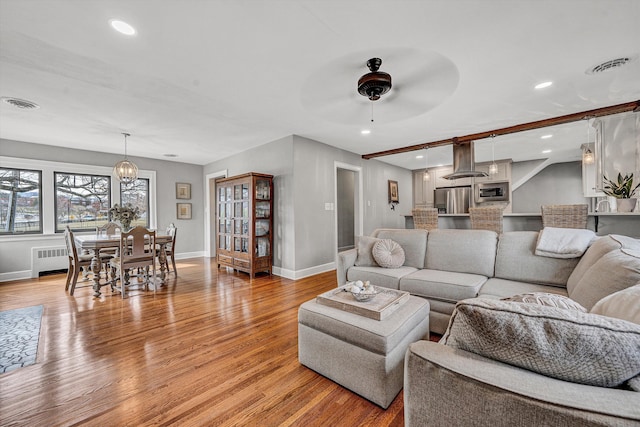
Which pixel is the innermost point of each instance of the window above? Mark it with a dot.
(20, 201)
(136, 194)
(82, 201)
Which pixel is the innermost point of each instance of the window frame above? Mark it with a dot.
(55, 199)
(40, 205)
(48, 190)
(148, 196)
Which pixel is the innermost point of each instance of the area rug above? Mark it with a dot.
(19, 333)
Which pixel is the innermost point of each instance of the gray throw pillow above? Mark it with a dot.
(624, 304)
(566, 344)
(548, 299)
(365, 251)
(616, 270)
(388, 254)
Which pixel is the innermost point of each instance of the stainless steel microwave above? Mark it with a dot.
(492, 192)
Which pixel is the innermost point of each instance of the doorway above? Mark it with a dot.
(210, 212)
(348, 205)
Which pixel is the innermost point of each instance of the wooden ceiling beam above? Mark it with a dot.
(598, 112)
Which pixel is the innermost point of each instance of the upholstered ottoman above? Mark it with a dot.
(364, 355)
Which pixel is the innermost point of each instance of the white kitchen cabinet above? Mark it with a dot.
(422, 190)
(504, 171)
(589, 176)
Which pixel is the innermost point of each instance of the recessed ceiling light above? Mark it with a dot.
(543, 85)
(122, 27)
(420, 156)
(546, 151)
(546, 136)
(365, 131)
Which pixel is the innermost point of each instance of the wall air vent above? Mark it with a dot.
(611, 64)
(23, 104)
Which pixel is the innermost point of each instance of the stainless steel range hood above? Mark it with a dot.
(463, 162)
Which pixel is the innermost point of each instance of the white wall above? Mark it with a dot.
(557, 184)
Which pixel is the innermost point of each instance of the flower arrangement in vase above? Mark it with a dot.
(125, 215)
(623, 191)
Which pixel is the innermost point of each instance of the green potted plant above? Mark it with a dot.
(623, 191)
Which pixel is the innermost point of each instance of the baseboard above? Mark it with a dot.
(299, 274)
(282, 272)
(15, 275)
(184, 255)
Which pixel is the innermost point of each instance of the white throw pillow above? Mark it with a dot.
(566, 344)
(624, 304)
(388, 254)
(548, 299)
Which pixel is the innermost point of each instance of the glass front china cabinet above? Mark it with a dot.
(244, 218)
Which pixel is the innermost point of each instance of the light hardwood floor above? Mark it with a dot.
(210, 348)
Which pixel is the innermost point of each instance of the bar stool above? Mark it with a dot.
(489, 218)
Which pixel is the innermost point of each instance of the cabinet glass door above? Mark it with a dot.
(262, 247)
(263, 189)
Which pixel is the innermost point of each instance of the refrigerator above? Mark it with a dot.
(452, 200)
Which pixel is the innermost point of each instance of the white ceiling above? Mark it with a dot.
(207, 79)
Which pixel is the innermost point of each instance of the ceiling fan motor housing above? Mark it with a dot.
(376, 83)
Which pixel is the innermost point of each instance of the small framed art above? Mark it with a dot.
(184, 210)
(393, 192)
(183, 190)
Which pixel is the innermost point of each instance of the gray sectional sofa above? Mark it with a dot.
(447, 266)
(504, 382)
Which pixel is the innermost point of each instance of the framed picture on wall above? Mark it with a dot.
(183, 190)
(393, 192)
(184, 210)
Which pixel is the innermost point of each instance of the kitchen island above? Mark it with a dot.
(602, 223)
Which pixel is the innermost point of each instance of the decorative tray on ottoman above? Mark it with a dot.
(385, 302)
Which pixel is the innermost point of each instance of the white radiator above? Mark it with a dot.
(48, 258)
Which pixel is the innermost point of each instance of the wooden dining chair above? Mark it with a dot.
(170, 248)
(565, 216)
(425, 218)
(488, 218)
(110, 229)
(137, 251)
(76, 262)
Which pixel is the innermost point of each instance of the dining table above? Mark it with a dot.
(93, 243)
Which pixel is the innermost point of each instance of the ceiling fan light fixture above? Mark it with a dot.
(376, 83)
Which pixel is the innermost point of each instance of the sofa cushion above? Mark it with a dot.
(502, 288)
(516, 260)
(624, 304)
(388, 254)
(548, 299)
(378, 276)
(413, 242)
(365, 251)
(462, 251)
(614, 271)
(565, 344)
(599, 247)
(442, 285)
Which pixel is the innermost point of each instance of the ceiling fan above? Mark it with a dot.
(375, 83)
(421, 81)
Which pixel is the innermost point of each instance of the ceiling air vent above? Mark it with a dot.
(20, 103)
(608, 65)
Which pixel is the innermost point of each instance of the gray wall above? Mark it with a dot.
(559, 183)
(274, 158)
(304, 171)
(15, 254)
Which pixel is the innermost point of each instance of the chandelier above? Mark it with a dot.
(125, 170)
